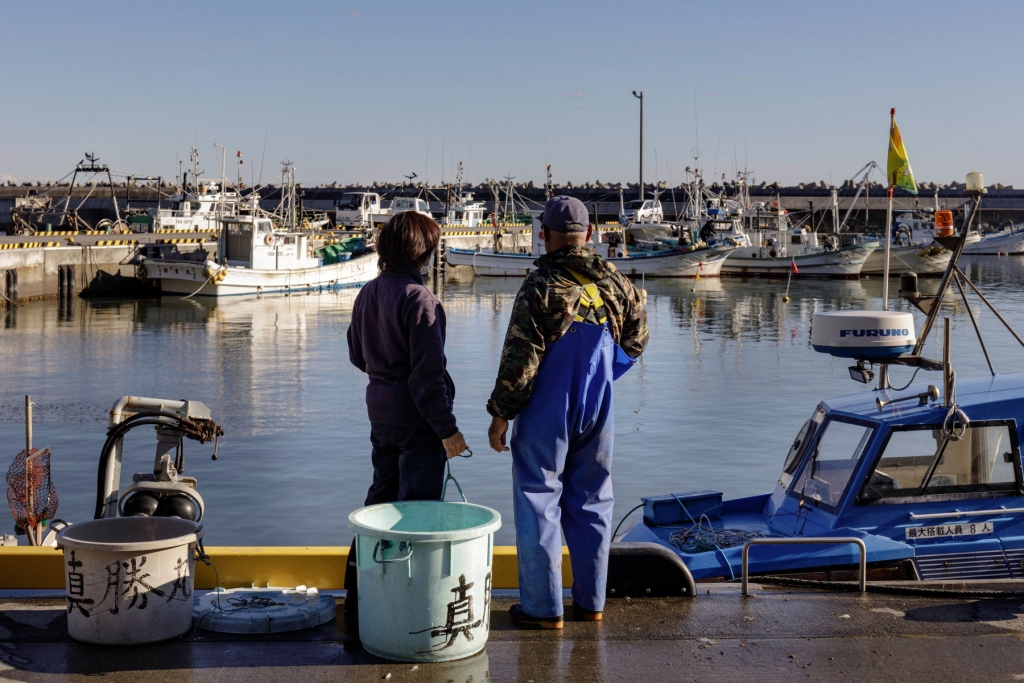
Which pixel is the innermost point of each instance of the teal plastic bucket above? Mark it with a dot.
(424, 572)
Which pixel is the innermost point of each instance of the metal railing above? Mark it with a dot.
(863, 569)
(967, 513)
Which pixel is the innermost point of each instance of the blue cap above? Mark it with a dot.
(565, 214)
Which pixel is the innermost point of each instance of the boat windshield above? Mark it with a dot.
(918, 460)
(350, 202)
(827, 473)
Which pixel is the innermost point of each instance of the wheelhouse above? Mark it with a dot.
(930, 497)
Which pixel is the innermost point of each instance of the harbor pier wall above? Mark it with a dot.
(49, 270)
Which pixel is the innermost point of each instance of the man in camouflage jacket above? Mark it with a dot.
(544, 308)
(577, 323)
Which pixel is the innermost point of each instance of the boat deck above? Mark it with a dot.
(779, 634)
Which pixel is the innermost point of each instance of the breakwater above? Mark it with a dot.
(1003, 204)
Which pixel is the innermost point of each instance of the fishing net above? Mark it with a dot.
(697, 539)
(30, 492)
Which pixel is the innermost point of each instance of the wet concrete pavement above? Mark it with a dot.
(779, 634)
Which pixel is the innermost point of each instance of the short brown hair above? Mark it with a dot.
(407, 241)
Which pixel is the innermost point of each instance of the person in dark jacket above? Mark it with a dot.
(397, 337)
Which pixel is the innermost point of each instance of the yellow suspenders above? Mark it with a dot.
(590, 297)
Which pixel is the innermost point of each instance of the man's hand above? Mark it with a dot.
(496, 434)
(454, 445)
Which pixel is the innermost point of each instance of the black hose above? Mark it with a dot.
(200, 430)
(116, 433)
(624, 519)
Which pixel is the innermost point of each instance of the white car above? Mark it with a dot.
(642, 211)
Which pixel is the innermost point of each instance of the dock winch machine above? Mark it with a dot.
(164, 492)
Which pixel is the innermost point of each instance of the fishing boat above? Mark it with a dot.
(921, 226)
(922, 259)
(202, 203)
(256, 258)
(683, 257)
(777, 247)
(1008, 240)
(926, 482)
(913, 246)
(463, 211)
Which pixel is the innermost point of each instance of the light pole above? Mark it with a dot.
(641, 98)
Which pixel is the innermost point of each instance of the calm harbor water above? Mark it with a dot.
(727, 381)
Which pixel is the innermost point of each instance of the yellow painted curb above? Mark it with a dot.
(241, 566)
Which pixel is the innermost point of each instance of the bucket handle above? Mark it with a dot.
(449, 477)
(387, 544)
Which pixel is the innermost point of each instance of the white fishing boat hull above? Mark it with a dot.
(843, 263)
(708, 262)
(922, 260)
(1003, 242)
(186, 277)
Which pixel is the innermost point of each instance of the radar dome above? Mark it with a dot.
(867, 335)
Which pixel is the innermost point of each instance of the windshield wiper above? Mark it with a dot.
(931, 468)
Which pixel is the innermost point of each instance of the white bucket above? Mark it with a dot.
(129, 579)
(424, 570)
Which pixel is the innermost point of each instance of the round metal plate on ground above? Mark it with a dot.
(261, 610)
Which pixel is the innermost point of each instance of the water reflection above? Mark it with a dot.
(727, 380)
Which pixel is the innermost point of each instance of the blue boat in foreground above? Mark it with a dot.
(930, 481)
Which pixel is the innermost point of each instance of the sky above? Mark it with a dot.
(355, 92)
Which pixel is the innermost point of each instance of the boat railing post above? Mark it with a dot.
(862, 565)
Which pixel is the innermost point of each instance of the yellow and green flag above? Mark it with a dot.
(898, 169)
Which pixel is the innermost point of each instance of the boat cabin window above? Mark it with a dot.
(238, 240)
(919, 461)
(239, 228)
(828, 471)
(796, 239)
(421, 205)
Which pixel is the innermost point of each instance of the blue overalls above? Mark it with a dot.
(561, 466)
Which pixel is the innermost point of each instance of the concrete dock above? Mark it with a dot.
(779, 634)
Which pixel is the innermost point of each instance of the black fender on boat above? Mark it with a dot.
(647, 570)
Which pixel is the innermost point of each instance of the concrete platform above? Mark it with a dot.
(779, 634)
